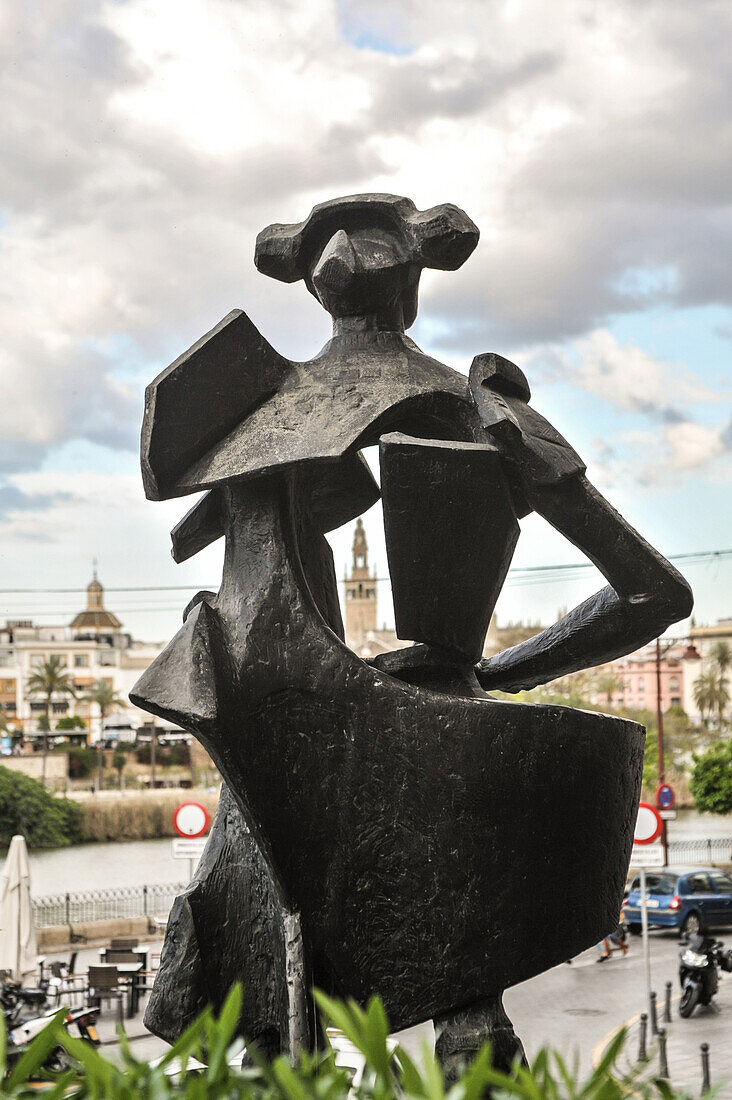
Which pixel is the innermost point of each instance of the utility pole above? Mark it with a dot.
(659, 725)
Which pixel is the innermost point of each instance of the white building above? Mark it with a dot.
(703, 640)
(93, 647)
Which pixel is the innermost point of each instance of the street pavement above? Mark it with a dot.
(576, 1009)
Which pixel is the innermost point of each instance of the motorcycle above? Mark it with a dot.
(698, 965)
(24, 1019)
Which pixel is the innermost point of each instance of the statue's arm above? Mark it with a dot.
(644, 596)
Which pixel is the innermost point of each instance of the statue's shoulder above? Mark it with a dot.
(501, 394)
(202, 396)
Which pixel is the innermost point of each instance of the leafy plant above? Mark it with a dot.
(81, 760)
(389, 1074)
(711, 779)
(44, 820)
(70, 722)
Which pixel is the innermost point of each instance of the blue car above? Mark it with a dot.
(690, 900)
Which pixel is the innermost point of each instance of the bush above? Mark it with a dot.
(711, 779)
(179, 755)
(388, 1074)
(44, 820)
(70, 723)
(82, 760)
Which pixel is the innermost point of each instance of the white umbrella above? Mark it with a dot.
(17, 934)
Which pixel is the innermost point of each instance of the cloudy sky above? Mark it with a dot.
(146, 142)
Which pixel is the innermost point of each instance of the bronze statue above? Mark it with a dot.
(385, 825)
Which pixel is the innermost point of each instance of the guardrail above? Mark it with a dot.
(714, 849)
(90, 905)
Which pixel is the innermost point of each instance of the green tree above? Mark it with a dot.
(70, 722)
(47, 681)
(43, 819)
(119, 760)
(106, 698)
(706, 694)
(711, 779)
(606, 682)
(721, 654)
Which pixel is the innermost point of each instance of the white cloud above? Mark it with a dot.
(631, 378)
(148, 142)
(692, 445)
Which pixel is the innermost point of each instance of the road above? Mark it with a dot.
(574, 1008)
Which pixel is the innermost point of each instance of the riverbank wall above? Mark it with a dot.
(93, 933)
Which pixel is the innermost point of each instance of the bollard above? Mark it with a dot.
(662, 1059)
(706, 1079)
(667, 1009)
(642, 1056)
(654, 1015)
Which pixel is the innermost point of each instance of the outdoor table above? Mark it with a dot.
(130, 971)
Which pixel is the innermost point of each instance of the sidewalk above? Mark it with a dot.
(683, 1048)
(145, 1046)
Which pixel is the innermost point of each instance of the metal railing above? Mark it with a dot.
(709, 849)
(119, 902)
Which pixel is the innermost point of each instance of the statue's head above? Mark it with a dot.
(361, 256)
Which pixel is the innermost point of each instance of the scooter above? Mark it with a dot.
(25, 1017)
(81, 1021)
(698, 971)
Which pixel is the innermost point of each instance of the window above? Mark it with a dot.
(10, 708)
(661, 884)
(699, 884)
(81, 660)
(722, 881)
(673, 683)
(59, 708)
(641, 684)
(675, 700)
(37, 660)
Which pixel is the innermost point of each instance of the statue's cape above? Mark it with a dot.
(232, 407)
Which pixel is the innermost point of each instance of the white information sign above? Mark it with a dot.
(647, 855)
(188, 849)
(667, 815)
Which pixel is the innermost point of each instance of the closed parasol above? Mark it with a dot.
(17, 933)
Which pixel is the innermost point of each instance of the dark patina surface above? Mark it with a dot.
(384, 826)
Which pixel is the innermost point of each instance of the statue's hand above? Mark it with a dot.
(539, 454)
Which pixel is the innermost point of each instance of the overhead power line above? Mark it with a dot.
(532, 573)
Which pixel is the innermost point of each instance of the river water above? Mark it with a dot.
(99, 866)
(144, 862)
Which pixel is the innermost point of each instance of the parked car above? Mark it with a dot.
(688, 899)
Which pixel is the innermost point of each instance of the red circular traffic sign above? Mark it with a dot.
(191, 820)
(648, 824)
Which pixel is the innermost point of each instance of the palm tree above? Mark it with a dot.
(607, 682)
(721, 655)
(711, 694)
(106, 698)
(49, 680)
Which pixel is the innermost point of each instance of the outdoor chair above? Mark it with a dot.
(103, 985)
(111, 956)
